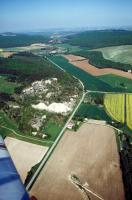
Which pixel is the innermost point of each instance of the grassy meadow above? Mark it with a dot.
(122, 54)
(123, 84)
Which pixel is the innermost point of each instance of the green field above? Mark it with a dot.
(7, 86)
(92, 112)
(123, 84)
(122, 54)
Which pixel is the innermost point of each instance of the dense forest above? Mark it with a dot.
(98, 39)
(21, 40)
(96, 58)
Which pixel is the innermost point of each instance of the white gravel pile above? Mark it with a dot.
(53, 107)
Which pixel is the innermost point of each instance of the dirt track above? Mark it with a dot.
(24, 155)
(91, 154)
(83, 63)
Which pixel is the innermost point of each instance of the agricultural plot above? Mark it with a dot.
(123, 84)
(90, 82)
(91, 155)
(91, 112)
(114, 104)
(84, 64)
(129, 110)
(122, 54)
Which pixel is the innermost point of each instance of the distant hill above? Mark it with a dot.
(98, 39)
(7, 34)
(21, 40)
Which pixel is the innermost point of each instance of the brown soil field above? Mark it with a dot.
(83, 63)
(24, 155)
(91, 154)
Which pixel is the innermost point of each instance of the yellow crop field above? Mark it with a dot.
(129, 110)
(114, 104)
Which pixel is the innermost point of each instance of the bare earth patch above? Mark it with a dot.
(6, 54)
(91, 154)
(24, 155)
(83, 64)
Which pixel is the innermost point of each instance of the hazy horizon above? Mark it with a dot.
(39, 15)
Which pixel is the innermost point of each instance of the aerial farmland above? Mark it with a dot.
(90, 155)
(65, 113)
